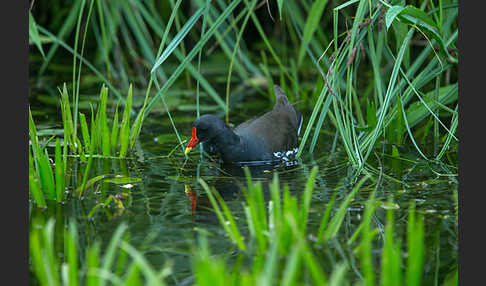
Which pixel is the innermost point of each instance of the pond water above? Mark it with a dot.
(165, 208)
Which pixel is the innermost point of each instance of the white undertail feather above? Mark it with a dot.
(287, 155)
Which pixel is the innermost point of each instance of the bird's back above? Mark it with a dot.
(277, 129)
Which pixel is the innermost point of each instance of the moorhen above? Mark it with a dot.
(272, 137)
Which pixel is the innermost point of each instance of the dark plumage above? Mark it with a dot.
(270, 137)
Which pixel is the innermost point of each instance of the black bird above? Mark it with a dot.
(268, 138)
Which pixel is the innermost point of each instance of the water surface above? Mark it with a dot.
(165, 208)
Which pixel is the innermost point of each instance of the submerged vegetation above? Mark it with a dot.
(376, 78)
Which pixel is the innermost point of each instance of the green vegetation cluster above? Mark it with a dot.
(370, 71)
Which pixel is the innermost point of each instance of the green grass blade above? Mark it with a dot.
(415, 247)
(390, 263)
(34, 34)
(76, 87)
(280, 5)
(104, 36)
(84, 131)
(103, 123)
(34, 184)
(46, 175)
(92, 263)
(312, 119)
(67, 27)
(50, 259)
(178, 38)
(143, 264)
(86, 62)
(191, 55)
(292, 265)
(34, 140)
(36, 256)
(389, 95)
(311, 25)
(229, 223)
(325, 219)
(240, 34)
(449, 136)
(109, 256)
(125, 125)
(366, 242)
(59, 172)
(338, 218)
(306, 199)
(319, 124)
(114, 130)
(71, 245)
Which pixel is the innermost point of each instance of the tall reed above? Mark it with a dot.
(370, 70)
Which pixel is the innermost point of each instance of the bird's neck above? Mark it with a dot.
(226, 138)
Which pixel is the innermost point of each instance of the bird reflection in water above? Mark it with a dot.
(192, 197)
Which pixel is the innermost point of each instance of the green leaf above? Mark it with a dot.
(419, 14)
(416, 17)
(371, 114)
(122, 180)
(280, 5)
(103, 123)
(391, 14)
(191, 55)
(178, 38)
(59, 172)
(114, 130)
(90, 182)
(311, 25)
(84, 131)
(71, 250)
(46, 176)
(338, 218)
(34, 185)
(34, 34)
(417, 111)
(125, 125)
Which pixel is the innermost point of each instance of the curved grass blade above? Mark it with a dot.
(125, 125)
(449, 137)
(191, 55)
(34, 185)
(194, 72)
(85, 61)
(59, 171)
(415, 247)
(389, 95)
(311, 25)
(312, 119)
(229, 225)
(109, 256)
(280, 4)
(66, 28)
(320, 122)
(178, 38)
(76, 86)
(203, 30)
(143, 264)
(34, 34)
(240, 34)
(76, 40)
(71, 250)
(338, 218)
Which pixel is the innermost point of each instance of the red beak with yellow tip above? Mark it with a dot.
(193, 142)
